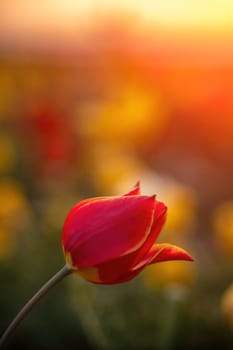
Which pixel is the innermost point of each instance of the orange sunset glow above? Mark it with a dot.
(180, 17)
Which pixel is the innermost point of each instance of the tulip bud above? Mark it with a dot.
(109, 240)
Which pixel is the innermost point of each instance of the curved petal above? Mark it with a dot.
(119, 271)
(159, 252)
(115, 270)
(127, 276)
(166, 252)
(66, 233)
(108, 228)
(135, 190)
(163, 252)
(105, 273)
(93, 275)
(90, 274)
(159, 220)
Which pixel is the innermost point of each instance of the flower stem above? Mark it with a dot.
(28, 306)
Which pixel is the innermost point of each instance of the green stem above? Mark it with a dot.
(28, 306)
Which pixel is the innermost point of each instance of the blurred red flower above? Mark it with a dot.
(109, 240)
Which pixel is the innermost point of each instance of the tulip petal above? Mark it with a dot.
(95, 276)
(159, 220)
(163, 252)
(127, 276)
(166, 252)
(159, 252)
(66, 233)
(107, 228)
(119, 271)
(90, 274)
(135, 190)
(115, 270)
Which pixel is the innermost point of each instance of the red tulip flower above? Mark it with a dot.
(110, 240)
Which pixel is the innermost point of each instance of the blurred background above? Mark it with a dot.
(95, 95)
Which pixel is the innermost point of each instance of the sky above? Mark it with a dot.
(201, 18)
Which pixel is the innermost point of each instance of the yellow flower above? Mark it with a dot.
(14, 208)
(227, 305)
(112, 167)
(171, 272)
(134, 116)
(182, 203)
(223, 227)
(7, 153)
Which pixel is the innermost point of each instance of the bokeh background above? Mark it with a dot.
(94, 96)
